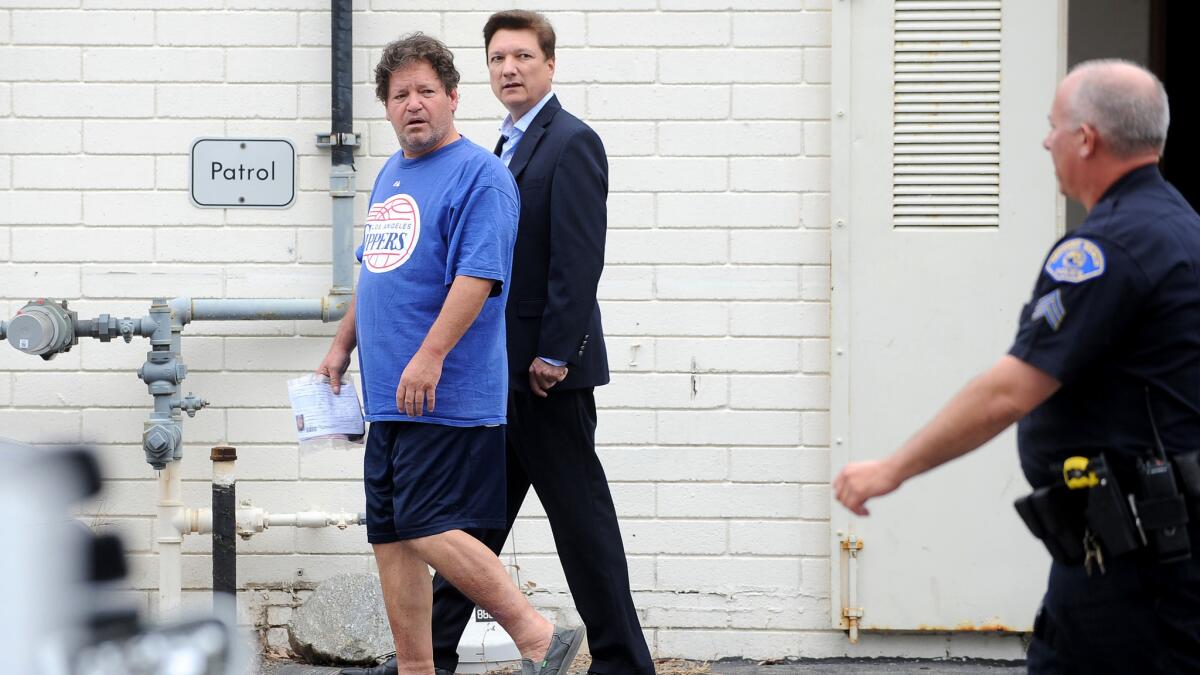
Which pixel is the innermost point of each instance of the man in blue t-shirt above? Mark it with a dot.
(428, 322)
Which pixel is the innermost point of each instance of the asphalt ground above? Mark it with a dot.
(807, 666)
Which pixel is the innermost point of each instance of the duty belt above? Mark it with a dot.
(1088, 515)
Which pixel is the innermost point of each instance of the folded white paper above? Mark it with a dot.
(322, 414)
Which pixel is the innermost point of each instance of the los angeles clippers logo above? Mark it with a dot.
(393, 229)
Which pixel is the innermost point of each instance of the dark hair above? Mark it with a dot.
(521, 19)
(412, 48)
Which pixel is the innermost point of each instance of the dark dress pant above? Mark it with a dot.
(551, 446)
(1138, 617)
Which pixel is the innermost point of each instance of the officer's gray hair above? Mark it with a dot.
(1131, 119)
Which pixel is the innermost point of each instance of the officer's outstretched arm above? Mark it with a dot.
(1003, 394)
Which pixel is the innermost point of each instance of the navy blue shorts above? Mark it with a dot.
(422, 479)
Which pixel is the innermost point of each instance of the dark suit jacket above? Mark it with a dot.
(562, 173)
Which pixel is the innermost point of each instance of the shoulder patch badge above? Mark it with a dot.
(1050, 308)
(1075, 260)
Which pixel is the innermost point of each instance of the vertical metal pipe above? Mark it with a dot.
(341, 139)
(224, 532)
(170, 541)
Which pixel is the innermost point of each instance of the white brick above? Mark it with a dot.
(310, 208)
(261, 426)
(625, 426)
(728, 428)
(149, 281)
(666, 246)
(380, 30)
(5, 173)
(226, 100)
(653, 174)
(588, 4)
(83, 100)
(5, 389)
(779, 318)
(274, 354)
(817, 65)
(694, 5)
(40, 281)
(781, 464)
(814, 355)
(277, 65)
(303, 134)
(242, 390)
(152, 4)
(151, 137)
(127, 172)
(78, 389)
(664, 391)
(331, 458)
(5, 98)
(40, 426)
(11, 359)
(152, 64)
(627, 283)
(277, 281)
(729, 282)
(665, 318)
(213, 245)
(6, 26)
(734, 66)
(815, 501)
(728, 574)
(664, 464)
(779, 538)
(626, 139)
(605, 65)
(145, 208)
(776, 174)
(728, 210)
(136, 534)
(663, 102)
(40, 137)
(234, 28)
(83, 28)
(782, 29)
(464, 30)
(77, 243)
(779, 392)
(114, 425)
(314, 103)
(784, 102)
(815, 211)
(658, 29)
(719, 139)
(816, 139)
(674, 537)
(815, 428)
(714, 645)
(814, 283)
(736, 500)
(630, 210)
(359, 5)
(727, 355)
(796, 247)
(39, 64)
(173, 172)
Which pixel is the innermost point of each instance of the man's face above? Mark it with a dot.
(521, 73)
(1065, 141)
(420, 110)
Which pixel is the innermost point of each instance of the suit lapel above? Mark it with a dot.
(533, 135)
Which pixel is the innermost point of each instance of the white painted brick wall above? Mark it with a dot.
(715, 429)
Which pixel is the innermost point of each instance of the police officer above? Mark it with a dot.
(1106, 358)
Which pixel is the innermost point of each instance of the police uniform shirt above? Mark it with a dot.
(1116, 310)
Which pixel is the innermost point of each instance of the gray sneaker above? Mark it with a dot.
(564, 645)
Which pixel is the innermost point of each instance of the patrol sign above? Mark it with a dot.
(231, 173)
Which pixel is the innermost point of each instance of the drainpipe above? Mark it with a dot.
(342, 141)
(224, 530)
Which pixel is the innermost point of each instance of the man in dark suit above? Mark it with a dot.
(556, 349)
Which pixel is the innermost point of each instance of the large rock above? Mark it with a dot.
(342, 622)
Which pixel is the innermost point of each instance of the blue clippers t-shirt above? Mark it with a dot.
(451, 212)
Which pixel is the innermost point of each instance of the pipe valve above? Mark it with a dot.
(43, 328)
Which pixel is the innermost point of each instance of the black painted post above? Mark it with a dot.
(224, 532)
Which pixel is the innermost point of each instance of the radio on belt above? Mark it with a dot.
(43, 328)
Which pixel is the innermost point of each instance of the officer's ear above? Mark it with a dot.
(1089, 137)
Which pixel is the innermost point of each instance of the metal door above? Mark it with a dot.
(944, 204)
